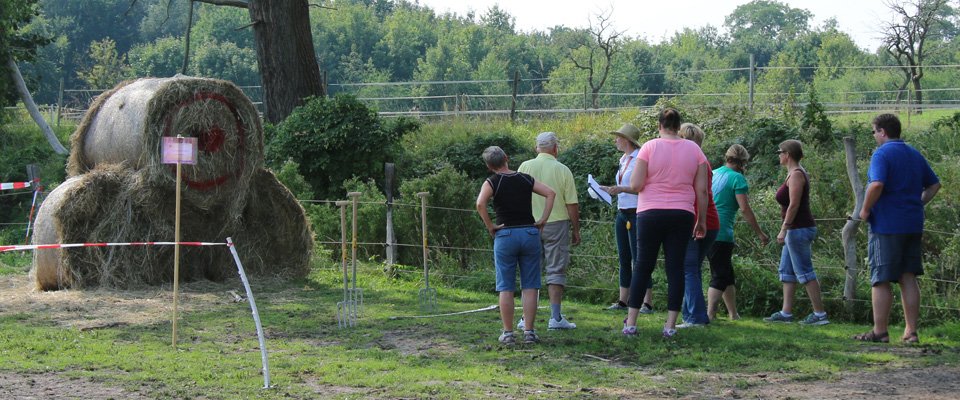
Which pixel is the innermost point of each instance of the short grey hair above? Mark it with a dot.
(494, 157)
(547, 140)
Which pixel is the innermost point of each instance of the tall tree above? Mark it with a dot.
(763, 27)
(916, 24)
(15, 44)
(594, 51)
(288, 66)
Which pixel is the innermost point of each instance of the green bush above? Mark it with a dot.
(289, 176)
(335, 139)
(761, 139)
(592, 156)
(466, 156)
(21, 145)
(815, 122)
(451, 218)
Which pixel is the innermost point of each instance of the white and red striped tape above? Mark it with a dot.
(14, 185)
(70, 245)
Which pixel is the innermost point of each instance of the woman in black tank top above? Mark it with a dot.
(516, 243)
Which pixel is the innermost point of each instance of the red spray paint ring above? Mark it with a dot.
(211, 140)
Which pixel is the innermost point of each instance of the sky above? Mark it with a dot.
(655, 20)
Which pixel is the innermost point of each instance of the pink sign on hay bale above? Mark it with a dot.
(179, 150)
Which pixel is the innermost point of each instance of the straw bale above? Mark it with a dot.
(275, 237)
(115, 204)
(46, 271)
(126, 127)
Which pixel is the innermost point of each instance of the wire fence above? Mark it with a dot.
(592, 257)
(528, 97)
(607, 259)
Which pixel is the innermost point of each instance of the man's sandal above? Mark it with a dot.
(912, 338)
(873, 337)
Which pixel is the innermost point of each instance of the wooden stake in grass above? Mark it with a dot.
(178, 151)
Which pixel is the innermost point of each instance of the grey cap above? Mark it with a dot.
(547, 140)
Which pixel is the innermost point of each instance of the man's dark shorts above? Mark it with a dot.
(891, 256)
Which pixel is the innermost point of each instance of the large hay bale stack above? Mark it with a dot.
(126, 126)
(47, 271)
(111, 204)
(120, 192)
(274, 233)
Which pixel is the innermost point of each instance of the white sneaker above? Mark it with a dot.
(553, 324)
(520, 325)
(686, 325)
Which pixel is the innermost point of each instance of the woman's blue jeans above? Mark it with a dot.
(694, 305)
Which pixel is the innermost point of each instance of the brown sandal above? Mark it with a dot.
(912, 338)
(873, 337)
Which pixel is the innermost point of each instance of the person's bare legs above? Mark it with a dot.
(648, 297)
(882, 298)
(789, 289)
(556, 294)
(713, 300)
(506, 310)
(672, 319)
(813, 291)
(730, 300)
(529, 300)
(624, 294)
(632, 316)
(910, 297)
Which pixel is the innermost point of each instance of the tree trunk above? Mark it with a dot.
(32, 107)
(284, 46)
(849, 233)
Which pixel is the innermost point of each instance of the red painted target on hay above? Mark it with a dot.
(214, 121)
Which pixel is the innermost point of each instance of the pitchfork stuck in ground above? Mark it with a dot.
(346, 309)
(428, 295)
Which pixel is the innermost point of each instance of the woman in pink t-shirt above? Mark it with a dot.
(670, 178)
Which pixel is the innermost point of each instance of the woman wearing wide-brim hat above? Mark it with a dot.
(627, 140)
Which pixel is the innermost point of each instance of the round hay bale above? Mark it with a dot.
(113, 204)
(126, 125)
(274, 237)
(46, 271)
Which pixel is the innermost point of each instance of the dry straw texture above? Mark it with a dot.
(120, 192)
(126, 126)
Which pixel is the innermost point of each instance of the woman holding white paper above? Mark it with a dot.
(625, 224)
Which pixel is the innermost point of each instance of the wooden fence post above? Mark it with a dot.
(513, 103)
(389, 171)
(849, 233)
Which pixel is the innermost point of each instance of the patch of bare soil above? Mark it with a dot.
(57, 386)
(932, 383)
(102, 308)
(413, 342)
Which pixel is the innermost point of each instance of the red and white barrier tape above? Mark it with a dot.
(14, 185)
(70, 245)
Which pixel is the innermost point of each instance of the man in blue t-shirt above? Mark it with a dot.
(901, 183)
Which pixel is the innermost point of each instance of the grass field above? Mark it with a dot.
(100, 344)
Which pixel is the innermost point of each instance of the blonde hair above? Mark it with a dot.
(691, 132)
(737, 155)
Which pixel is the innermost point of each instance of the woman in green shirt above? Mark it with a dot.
(730, 194)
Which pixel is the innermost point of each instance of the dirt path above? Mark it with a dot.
(931, 383)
